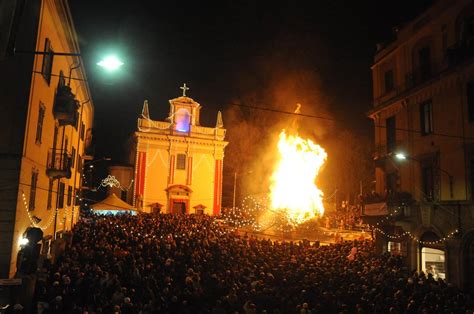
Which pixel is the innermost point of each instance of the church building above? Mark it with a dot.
(178, 162)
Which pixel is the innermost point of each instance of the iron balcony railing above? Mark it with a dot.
(59, 164)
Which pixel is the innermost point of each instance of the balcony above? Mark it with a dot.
(66, 107)
(58, 164)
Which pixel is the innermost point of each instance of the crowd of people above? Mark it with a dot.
(190, 264)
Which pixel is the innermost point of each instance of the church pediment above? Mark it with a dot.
(184, 101)
(179, 188)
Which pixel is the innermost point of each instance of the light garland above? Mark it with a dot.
(251, 207)
(32, 220)
(409, 234)
(111, 181)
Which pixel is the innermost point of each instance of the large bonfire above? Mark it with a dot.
(293, 191)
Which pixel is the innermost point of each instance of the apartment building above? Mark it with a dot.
(46, 116)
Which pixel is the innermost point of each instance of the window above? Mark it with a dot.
(391, 134)
(389, 82)
(61, 195)
(69, 195)
(182, 120)
(82, 130)
(79, 163)
(391, 183)
(73, 157)
(427, 180)
(34, 182)
(426, 117)
(468, 30)
(397, 248)
(39, 124)
(470, 100)
(424, 59)
(47, 65)
(181, 164)
(50, 194)
(444, 38)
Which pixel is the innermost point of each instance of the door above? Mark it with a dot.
(179, 208)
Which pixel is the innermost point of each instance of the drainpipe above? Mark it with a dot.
(76, 163)
(59, 183)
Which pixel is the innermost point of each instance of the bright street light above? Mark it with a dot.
(111, 63)
(401, 156)
(23, 241)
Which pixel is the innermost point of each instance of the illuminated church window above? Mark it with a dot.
(183, 119)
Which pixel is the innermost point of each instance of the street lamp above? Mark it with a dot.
(90, 165)
(235, 188)
(402, 156)
(110, 63)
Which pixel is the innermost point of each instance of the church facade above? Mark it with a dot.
(178, 163)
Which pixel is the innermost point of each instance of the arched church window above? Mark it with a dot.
(183, 119)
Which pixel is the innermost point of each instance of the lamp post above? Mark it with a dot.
(90, 166)
(402, 156)
(90, 163)
(235, 188)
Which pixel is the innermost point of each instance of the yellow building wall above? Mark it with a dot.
(35, 154)
(158, 171)
(156, 179)
(203, 181)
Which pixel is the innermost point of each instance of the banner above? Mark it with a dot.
(375, 209)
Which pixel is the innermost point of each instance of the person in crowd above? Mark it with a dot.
(190, 264)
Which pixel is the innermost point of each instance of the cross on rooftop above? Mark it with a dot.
(184, 88)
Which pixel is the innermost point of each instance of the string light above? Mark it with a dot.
(32, 219)
(111, 181)
(247, 216)
(410, 235)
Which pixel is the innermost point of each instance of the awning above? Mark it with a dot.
(112, 202)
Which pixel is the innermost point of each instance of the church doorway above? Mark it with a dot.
(178, 199)
(179, 208)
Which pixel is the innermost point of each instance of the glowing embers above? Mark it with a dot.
(293, 190)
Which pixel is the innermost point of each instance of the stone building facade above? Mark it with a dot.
(423, 113)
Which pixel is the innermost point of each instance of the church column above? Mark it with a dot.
(217, 187)
(171, 172)
(140, 172)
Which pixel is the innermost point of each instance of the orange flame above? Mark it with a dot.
(293, 190)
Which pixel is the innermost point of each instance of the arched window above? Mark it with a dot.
(182, 120)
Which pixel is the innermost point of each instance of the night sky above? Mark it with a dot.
(218, 49)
